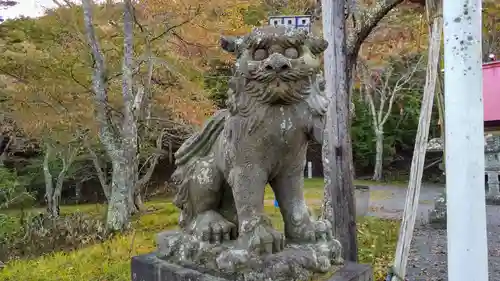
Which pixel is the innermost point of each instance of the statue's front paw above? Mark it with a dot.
(212, 227)
(258, 235)
(314, 231)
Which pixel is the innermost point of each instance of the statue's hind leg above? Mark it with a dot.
(205, 197)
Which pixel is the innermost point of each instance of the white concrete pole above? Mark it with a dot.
(466, 211)
(309, 170)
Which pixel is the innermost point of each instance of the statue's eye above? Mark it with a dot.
(260, 54)
(291, 53)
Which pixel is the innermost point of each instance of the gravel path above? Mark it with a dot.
(428, 260)
(428, 251)
(389, 201)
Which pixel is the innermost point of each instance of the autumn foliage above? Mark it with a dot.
(46, 68)
(47, 63)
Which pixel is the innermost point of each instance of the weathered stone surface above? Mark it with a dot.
(276, 105)
(493, 200)
(437, 217)
(435, 145)
(491, 143)
(151, 268)
(296, 262)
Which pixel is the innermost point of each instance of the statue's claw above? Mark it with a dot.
(315, 231)
(323, 230)
(257, 235)
(212, 227)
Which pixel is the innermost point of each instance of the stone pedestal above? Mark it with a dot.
(150, 268)
(296, 262)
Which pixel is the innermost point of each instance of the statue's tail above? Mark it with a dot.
(197, 146)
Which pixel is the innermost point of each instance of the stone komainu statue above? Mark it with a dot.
(275, 106)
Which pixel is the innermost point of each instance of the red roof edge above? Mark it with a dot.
(491, 64)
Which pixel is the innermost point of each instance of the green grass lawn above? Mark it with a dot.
(110, 260)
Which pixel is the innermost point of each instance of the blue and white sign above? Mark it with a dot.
(293, 21)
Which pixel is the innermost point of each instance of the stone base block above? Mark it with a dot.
(150, 268)
(353, 272)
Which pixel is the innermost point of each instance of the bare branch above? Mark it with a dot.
(49, 184)
(399, 86)
(368, 19)
(175, 26)
(101, 174)
(67, 157)
(67, 3)
(153, 161)
(383, 93)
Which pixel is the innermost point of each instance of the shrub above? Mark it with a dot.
(39, 234)
(12, 192)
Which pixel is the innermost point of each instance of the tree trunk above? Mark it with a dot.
(338, 205)
(52, 210)
(56, 197)
(78, 192)
(138, 202)
(53, 194)
(101, 173)
(119, 207)
(379, 155)
(125, 166)
(67, 159)
(142, 182)
(119, 141)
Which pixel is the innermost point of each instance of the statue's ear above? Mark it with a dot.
(317, 45)
(229, 43)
